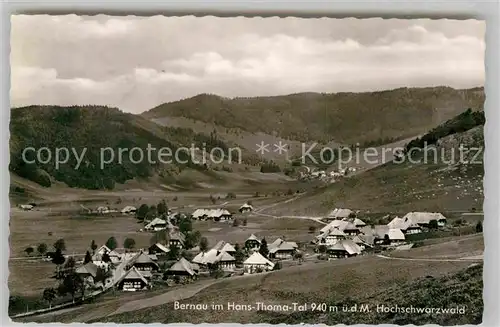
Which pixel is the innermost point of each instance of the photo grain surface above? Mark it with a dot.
(246, 170)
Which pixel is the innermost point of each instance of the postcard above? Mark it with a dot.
(246, 170)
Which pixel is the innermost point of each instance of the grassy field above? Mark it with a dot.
(448, 248)
(459, 290)
(58, 215)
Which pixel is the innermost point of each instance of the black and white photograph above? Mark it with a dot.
(279, 170)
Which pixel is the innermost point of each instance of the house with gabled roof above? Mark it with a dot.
(406, 225)
(114, 256)
(143, 262)
(358, 223)
(424, 218)
(206, 258)
(345, 226)
(281, 249)
(87, 271)
(343, 249)
(396, 236)
(339, 213)
(176, 239)
(361, 242)
(245, 208)
(156, 225)
(257, 263)
(129, 210)
(183, 268)
(133, 280)
(225, 261)
(223, 246)
(331, 236)
(158, 249)
(388, 236)
(215, 258)
(350, 229)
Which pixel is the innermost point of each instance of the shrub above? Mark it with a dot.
(433, 224)
(322, 249)
(227, 169)
(270, 168)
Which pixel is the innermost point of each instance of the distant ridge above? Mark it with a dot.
(345, 117)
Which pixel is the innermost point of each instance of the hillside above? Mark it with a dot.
(94, 128)
(461, 123)
(386, 115)
(463, 289)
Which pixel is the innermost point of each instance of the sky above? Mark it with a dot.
(137, 63)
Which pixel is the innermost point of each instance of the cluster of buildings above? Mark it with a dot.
(134, 271)
(102, 210)
(346, 235)
(279, 249)
(223, 256)
(125, 271)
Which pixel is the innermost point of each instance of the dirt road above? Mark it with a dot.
(473, 259)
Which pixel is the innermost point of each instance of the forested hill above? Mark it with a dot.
(93, 128)
(375, 117)
(464, 122)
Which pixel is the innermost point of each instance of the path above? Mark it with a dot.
(477, 258)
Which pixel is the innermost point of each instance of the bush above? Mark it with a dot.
(418, 244)
(270, 168)
(323, 257)
(312, 229)
(216, 272)
(433, 224)
(236, 223)
(227, 169)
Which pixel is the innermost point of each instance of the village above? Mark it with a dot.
(179, 254)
